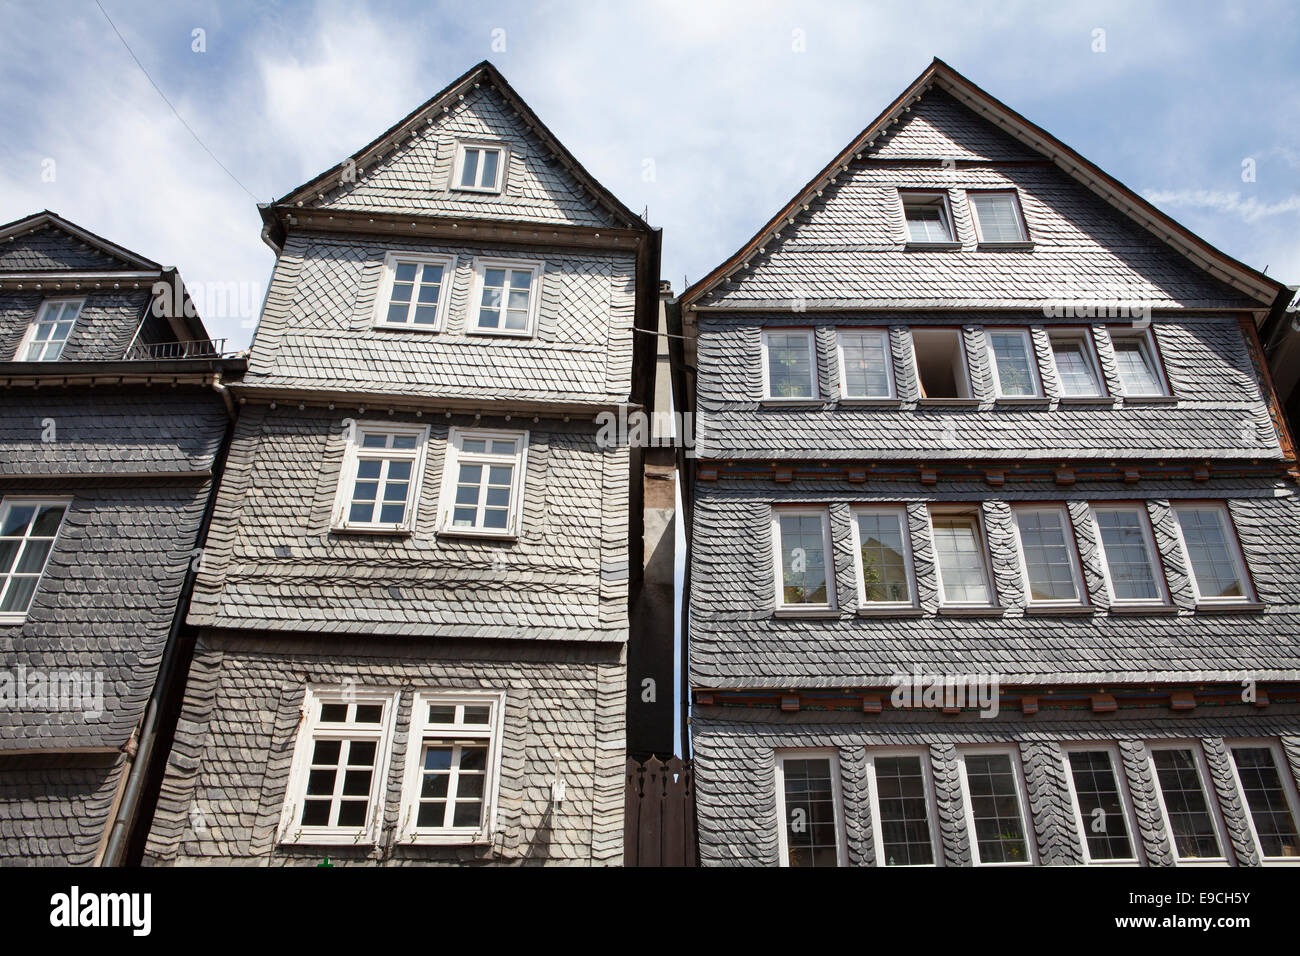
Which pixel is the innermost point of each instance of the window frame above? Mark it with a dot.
(1211, 802)
(814, 365)
(385, 291)
(418, 457)
(1072, 546)
(909, 568)
(7, 502)
(25, 342)
(891, 394)
(1125, 799)
(1289, 790)
(920, 196)
(1235, 553)
(1022, 801)
(1153, 553)
(1031, 355)
(778, 555)
(458, 167)
(1090, 356)
(977, 512)
(1019, 209)
(1147, 336)
(832, 754)
(409, 832)
(967, 384)
(295, 793)
(452, 459)
(931, 803)
(480, 266)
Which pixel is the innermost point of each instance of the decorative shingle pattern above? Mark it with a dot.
(51, 249)
(52, 812)
(105, 326)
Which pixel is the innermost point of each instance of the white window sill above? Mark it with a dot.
(406, 327)
(1023, 400)
(849, 400)
(363, 529)
(477, 533)
(328, 839)
(1087, 399)
(954, 402)
(1237, 607)
(1144, 609)
(12, 618)
(899, 611)
(447, 838)
(1149, 400)
(482, 190)
(961, 610)
(1060, 610)
(946, 246)
(793, 402)
(1019, 244)
(808, 612)
(501, 333)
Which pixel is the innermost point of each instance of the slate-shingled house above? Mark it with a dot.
(940, 433)
(112, 421)
(414, 600)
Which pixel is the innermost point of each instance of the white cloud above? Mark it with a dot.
(1249, 209)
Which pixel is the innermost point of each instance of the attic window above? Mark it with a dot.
(48, 333)
(479, 167)
(997, 217)
(927, 217)
(940, 363)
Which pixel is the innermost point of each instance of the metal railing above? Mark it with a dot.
(198, 349)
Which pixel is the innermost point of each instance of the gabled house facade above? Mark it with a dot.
(995, 519)
(113, 418)
(413, 607)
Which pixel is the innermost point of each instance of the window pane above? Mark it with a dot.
(1189, 814)
(884, 569)
(866, 360)
(1208, 550)
(1047, 556)
(811, 829)
(803, 560)
(905, 838)
(469, 177)
(960, 555)
(927, 221)
(998, 220)
(1132, 570)
(1011, 353)
(1075, 369)
(790, 365)
(490, 160)
(1104, 825)
(995, 807)
(1267, 800)
(1137, 369)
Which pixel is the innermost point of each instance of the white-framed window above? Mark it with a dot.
(1138, 363)
(883, 549)
(993, 790)
(28, 529)
(1191, 817)
(379, 485)
(480, 167)
(507, 294)
(48, 334)
(997, 216)
(1103, 807)
(414, 291)
(809, 808)
(866, 364)
(1213, 552)
(961, 557)
(453, 761)
(1272, 804)
(1076, 363)
(805, 576)
(903, 815)
(940, 358)
(789, 364)
(926, 216)
(340, 764)
(1015, 367)
(1128, 555)
(483, 482)
(1049, 560)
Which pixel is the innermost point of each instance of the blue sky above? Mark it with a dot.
(715, 98)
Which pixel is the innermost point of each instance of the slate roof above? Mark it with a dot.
(45, 241)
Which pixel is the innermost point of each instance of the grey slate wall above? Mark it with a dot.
(105, 325)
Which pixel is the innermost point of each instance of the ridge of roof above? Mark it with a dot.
(38, 220)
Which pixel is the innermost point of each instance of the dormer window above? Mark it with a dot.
(479, 167)
(997, 217)
(49, 331)
(927, 217)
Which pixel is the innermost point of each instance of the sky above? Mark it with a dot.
(707, 115)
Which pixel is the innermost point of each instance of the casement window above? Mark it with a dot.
(994, 793)
(902, 808)
(379, 488)
(941, 363)
(997, 217)
(1194, 826)
(340, 762)
(414, 292)
(506, 293)
(884, 556)
(483, 482)
(809, 806)
(866, 365)
(1128, 555)
(1015, 369)
(1138, 364)
(480, 167)
(802, 545)
(1271, 800)
(28, 530)
(961, 557)
(1212, 549)
(1076, 364)
(49, 331)
(452, 767)
(927, 217)
(790, 364)
(1103, 810)
(1049, 561)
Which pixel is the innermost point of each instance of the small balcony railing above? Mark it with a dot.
(198, 349)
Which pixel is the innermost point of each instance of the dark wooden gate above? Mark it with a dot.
(659, 813)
